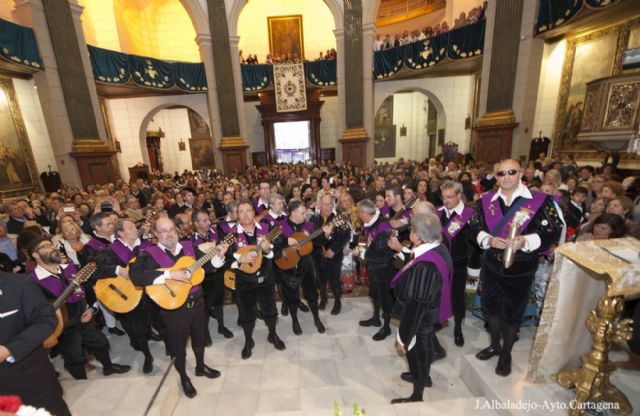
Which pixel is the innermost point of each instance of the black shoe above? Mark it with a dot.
(319, 326)
(207, 372)
(276, 341)
(246, 351)
(296, 328)
(116, 369)
(303, 308)
(406, 400)
(284, 310)
(375, 321)
(382, 334)
(188, 388)
(117, 331)
(458, 338)
(148, 365)
(439, 352)
(337, 307)
(322, 305)
(225, 332)
(504, 366)
(487, 353)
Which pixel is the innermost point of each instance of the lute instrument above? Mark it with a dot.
(172, 294)
(250, 268)
(291, 255)
(79, 278)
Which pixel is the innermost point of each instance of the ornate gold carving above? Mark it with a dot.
(496, 118)
(622, 106)
(90, 146)
(622, 30)
(358, 133)
(6, 88)
(233, 142)
(155, 133)
(591, 104)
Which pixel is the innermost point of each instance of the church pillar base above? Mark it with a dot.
(354, 146)
(493, 135)
(96, 162)
(234, 154)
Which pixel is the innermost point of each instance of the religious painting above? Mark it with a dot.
(285, 36)
(384, 141)
(384, 116)
(18, 174)
(201, 154)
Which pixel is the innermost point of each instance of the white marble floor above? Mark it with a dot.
(343, 366)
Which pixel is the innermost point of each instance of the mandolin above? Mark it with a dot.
(79, 278)
(172, 294)
(250, 268)
(291, 255)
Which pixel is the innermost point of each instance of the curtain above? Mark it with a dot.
(109, 66)
(321, 73)
(190, 77)
(256, 77)
(150, 72)
(388, 62)
(18, 45)
(466, 41)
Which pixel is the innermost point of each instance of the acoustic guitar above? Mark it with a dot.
(230, 279)
(118, 293)
(79, 278)
(172, 294)
(250, 268)
(291, 255)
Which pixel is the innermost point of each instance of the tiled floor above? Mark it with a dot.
(342, 366)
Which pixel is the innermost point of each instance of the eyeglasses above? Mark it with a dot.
(509, 172)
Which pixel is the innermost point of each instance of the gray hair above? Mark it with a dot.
(231, 205)
(273, 198)
(427, 227)
(119, 225)
(423, 207)
(366, 206)
(456, 186)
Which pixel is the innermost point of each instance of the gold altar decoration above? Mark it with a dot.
(600, 261)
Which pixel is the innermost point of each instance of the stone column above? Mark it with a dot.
(340, 61)
(494, 129)
(354, 137)
(232, 145)
(369, 110)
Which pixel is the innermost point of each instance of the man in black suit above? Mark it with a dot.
(26, 320)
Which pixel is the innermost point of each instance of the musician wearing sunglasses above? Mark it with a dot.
(506, 286)
(188, 320)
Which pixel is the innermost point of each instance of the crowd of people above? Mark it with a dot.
(389, 41)
(272, 58)
(418, 231)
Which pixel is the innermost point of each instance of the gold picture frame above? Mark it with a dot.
(286, 36)
(564, 114)
(18, 173)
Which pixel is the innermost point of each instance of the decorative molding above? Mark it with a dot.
(232, 142)
(358, 133)
(496, 118)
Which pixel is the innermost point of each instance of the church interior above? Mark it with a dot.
(99, 97)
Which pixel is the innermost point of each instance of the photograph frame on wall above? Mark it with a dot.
(18, 173)
(384, 141)
(286, 35)
(201, 154)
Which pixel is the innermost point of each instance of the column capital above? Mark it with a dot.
(234, 41)
(28, 3)
(76, 9)
(369, 27)
(203, 39)
(339, 33)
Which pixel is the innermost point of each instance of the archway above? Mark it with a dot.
(174, 137)
(408, 124)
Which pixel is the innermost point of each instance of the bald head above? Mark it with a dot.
(423, 207)
(166, 232)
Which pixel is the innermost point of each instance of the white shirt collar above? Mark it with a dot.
(458, 208)
(42, 273)
(177, 250)
(373, 219)
(110, 238)
(577, 205)
(228, 220)
(135, 244)
(273, 214)
(522, 191)
(241, 228)
(423, 248)
(262, 202)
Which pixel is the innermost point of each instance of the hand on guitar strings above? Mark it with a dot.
(179, 275)
(265, 246)
(249, 257)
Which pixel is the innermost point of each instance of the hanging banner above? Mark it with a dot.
(289, 84)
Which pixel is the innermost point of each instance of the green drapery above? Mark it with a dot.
(321, 73)
(256, 77)
(465, 42)
(118, 68)
(553, 13)
(18, 45)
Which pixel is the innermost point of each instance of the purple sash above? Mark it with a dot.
(372, 232)
(455, 225)
(225, 227)
(55, 286)
(257, 208)
(124, 254)
(164, 261)
(241, 241)
(493, 214)
(96, 244)
(197, 238)
(288, 231)
(384, 211)
(432, 256)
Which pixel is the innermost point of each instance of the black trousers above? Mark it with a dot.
(379, 290)
(329, 272)
(79, 337)
(458, 287)
(247, 300)
(137, 324)
(187, 321)
(420, 356)
(35, 381)
(213, 287)
(291, 284)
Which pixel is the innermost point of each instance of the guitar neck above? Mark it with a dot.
(63, 298)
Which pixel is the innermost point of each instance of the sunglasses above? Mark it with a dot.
(509, 172)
